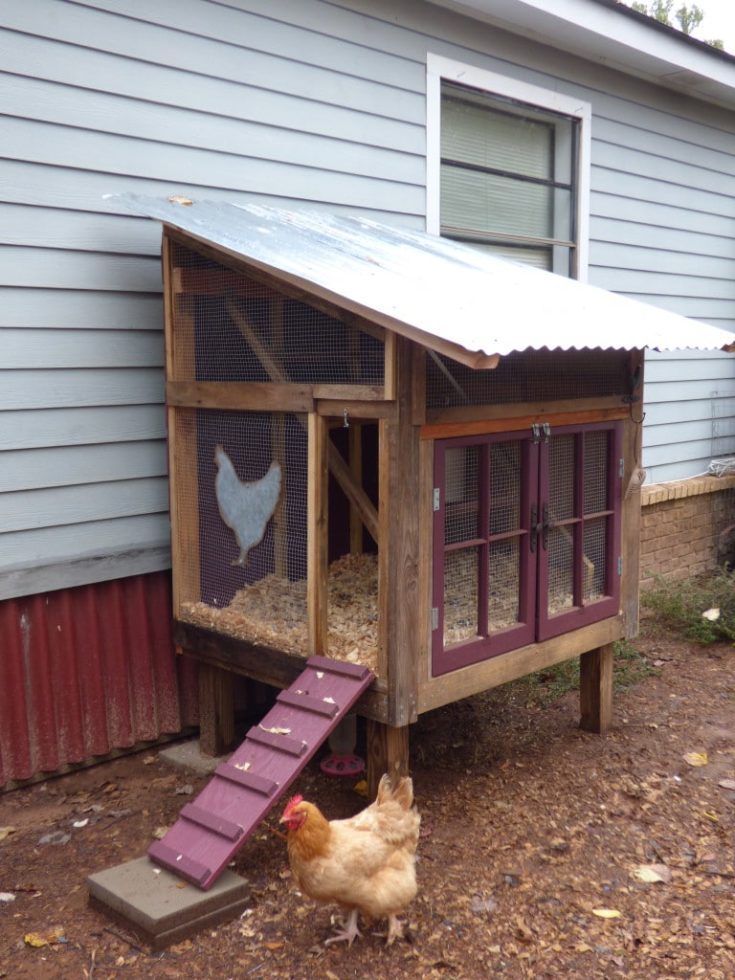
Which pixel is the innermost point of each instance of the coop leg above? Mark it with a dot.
(216, 710)
(387, 751)
(596, 689)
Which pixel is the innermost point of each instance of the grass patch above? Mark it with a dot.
(678, 606)
(548, 685)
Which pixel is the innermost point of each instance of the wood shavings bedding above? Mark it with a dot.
(272, 611)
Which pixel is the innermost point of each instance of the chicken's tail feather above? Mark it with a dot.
(400, 790)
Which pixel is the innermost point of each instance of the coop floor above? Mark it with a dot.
(272, 611)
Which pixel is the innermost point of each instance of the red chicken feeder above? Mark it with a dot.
(347, 766)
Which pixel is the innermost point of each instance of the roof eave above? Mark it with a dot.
(611, 34)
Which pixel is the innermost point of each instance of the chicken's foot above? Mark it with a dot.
(395, 930)
(349, 934)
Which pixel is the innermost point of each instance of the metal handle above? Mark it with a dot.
(534, 527)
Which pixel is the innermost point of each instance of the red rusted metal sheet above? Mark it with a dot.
(88, 670)
(229, 808)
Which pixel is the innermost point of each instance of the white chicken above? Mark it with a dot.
(245, 508)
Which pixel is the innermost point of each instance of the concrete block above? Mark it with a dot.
(160, 906)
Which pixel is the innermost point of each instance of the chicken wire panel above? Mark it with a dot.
(252, 506)
(461, 474)
(504, 579)
(460, 595)
(595, 471)
(561, 570)
(562, 453)
(505, 487)
(528, 376)
(241, 330)
(595, 559)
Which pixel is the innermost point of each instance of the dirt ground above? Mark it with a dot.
(534, 835)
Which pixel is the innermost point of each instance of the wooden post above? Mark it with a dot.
(216, 710)
(317, 530)
(596, 689)
(633, 478)
(399, 546)
(387, 751)
(355, 455)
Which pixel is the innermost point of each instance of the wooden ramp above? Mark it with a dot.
(242, 790)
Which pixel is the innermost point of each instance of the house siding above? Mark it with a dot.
(295, 103)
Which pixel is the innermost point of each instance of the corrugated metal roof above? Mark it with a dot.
(434, 290)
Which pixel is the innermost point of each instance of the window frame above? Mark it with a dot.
(440, 69)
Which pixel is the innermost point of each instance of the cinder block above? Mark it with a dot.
(160, 906)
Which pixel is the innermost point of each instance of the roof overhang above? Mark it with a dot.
(449, 297)
(611, 34)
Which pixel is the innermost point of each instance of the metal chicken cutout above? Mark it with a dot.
(245, 508)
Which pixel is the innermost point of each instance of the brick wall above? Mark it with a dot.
(682, 525)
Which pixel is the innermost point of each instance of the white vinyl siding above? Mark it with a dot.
(302, 103)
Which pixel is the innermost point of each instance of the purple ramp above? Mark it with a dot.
(211, 829)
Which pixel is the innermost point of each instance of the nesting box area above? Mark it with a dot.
(346, 485)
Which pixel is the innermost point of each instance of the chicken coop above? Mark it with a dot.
(392, 450)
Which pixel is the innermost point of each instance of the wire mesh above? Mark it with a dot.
(595, 554)
(561, 570)
(562, 453)
(528, 376)
(461, 509)
(505, 486)
(251, 486)
(229, 327)
(504, 584)
(460, 595)
(595, 471)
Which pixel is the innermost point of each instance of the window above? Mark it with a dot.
(507, 167)
(526, 538)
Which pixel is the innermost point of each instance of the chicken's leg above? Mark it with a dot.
(349, 933)
(395, 930)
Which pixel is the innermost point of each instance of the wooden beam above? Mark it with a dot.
(254, 396)
(317, 539)
(436, 691)
(216, 710)
(633, 478)
(450, 430)
(596, 689)
(354, 440)
(353, 393)
(340, 470)
(534, 410)
(398, 552)
(387, 752)
(264, 664)
(356, 410)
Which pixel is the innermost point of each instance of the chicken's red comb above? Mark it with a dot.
(294, 801)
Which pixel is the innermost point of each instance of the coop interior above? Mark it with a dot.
(242, 500)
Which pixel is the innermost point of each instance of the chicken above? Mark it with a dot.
(365, 864)
(245, 508)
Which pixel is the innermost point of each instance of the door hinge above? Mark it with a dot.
(437, 498)
(621, 468)
(620, 565)
(434, 618)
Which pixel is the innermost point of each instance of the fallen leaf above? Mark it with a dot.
(710, 815)
(329, 700)
(652, 873)
(273, 945)
(80, 823)
(160, 832)
(696, 758)
(483, 905)
(179, 199)
(149, 760)
(33, 939)
(55, 837)
(711, 614)
(6, 832)
(606, 913)
(244, 766)
(7, 897)
(276, 730)
(727, 783)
